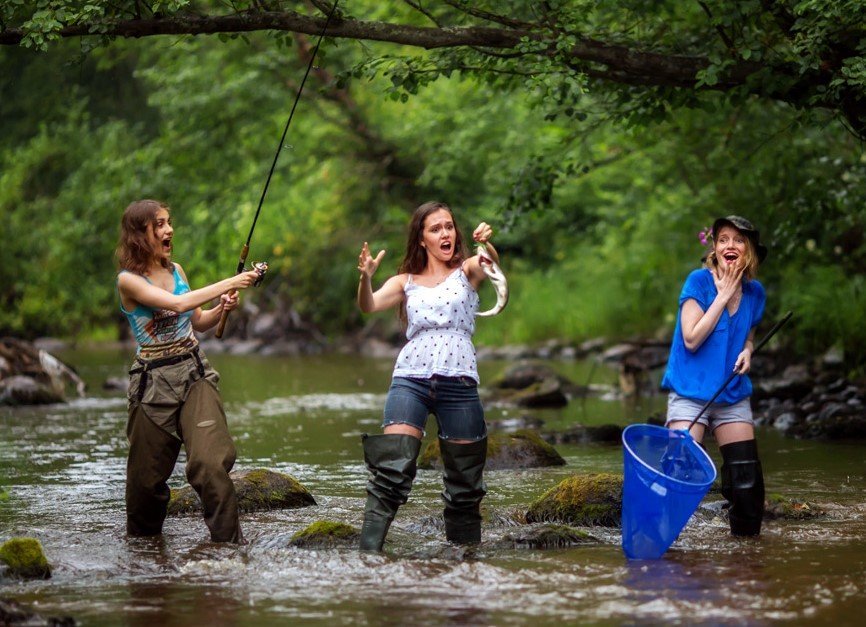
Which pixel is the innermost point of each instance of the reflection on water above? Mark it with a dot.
(64, 466)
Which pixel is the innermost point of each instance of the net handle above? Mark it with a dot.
(735, 373)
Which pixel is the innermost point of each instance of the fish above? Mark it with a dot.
(497, 278)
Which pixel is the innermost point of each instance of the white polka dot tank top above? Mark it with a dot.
(441, 324)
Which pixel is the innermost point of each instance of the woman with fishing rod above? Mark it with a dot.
(173, 396)
(436, 373)
(720, 306)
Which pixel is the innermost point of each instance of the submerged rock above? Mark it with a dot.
(24, 557)
(583, 500)
(548, 537)
(780, 507)
(258, 489)
(12, 613)
(581, 434)
(505, 451)
(324, 534)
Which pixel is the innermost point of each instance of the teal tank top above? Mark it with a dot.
(161, 332)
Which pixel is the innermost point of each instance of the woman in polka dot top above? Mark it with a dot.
(436, 373)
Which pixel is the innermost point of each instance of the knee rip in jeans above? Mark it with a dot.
(206, 423)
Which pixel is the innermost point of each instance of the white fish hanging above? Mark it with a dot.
(497, 278)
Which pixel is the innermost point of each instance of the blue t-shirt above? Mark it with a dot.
(698, 375)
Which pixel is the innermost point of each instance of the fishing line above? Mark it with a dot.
(246, 248)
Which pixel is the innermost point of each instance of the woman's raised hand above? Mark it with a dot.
(367, 265)
(482, 233)
(727, 279)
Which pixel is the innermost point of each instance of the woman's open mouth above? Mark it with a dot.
(166, 245)
(731, 257)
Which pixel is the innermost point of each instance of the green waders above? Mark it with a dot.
(178, 404)
(743, 486)
(391, 459)
(464, 489)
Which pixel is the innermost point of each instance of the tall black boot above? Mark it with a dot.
(743, 486)
(464, 489)
(391, 459)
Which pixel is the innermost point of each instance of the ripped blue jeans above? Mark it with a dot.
(453, 401)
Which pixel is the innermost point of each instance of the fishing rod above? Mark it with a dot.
(262, 267)
(763, 341)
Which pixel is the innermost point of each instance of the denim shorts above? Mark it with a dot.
(452, 400)
(681, 408)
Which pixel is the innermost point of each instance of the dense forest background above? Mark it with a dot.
(597, 138)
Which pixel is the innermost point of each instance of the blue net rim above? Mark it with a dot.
(676, 433)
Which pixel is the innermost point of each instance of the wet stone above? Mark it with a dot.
(12, 613)
(548, 536)
(582, 500)
(325, 534)
(23, 557)
(780, 507)
(257, 490)
(505, 451)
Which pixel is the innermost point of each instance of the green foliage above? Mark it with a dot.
(596, 182)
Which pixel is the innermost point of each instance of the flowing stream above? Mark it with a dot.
(63, 469)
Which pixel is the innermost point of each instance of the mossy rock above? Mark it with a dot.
(25, 558)
(505, 451)
(325, 534)
(548, 537)
(582, 500)
(781, 507)
(258, 489)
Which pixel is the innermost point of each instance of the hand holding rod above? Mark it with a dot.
(246, 248)
(763, 341)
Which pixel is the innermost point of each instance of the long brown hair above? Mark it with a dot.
(134, 249)
(415, 259)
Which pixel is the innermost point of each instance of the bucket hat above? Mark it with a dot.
(746, 228)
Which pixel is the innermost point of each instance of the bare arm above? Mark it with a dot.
(697, 324)
(387, 296)
(204, 319)
(135, 290)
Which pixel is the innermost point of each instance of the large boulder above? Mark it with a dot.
(24, 557)
(533, 384)
(582, 500)
(505, 451)
(31, 376)
(257, 490)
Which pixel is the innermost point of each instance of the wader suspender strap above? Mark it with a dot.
(165, 361)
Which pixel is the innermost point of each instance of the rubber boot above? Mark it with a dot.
(743, 486)
(392, 461)
(464, 489)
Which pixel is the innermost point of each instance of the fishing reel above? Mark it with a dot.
(261, 267)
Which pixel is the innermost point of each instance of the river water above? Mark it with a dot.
(63, 469)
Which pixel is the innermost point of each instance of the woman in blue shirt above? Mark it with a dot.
(720, 306)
